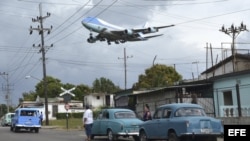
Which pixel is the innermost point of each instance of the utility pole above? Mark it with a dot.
(233, 31)
(7, 89)
(41, 31)
(125, 66)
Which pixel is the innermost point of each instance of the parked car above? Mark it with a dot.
(6, 120)
(181, 121)
(26, 118)
(115, 122)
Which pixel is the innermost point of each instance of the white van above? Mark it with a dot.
(6, 121)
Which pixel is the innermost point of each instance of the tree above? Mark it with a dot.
(53, 87)
(103, 85)
(157, 76)
(29, 96)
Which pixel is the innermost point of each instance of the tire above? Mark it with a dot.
(143, 136)
(92, 137)
(172, 137)
(11, 128)
(15, 129)
(36, 130)
(136, 138)
(111, 136)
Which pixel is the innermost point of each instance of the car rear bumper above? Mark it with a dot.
(27, 126)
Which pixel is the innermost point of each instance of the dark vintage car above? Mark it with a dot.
(115, 122)
(181, 121)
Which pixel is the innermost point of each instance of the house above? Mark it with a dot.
(199, 92)
(96, 100)
(55, 105)
(239, 62)
(223, 90)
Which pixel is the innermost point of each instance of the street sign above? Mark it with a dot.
(66, 106)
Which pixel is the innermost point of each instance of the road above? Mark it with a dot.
(51, 135)
(47, 135)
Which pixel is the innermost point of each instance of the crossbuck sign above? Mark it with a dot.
(67, 91)
(67, 94)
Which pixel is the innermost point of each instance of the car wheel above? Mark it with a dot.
(92, 137)
(111, 136)
(11, 128)
(172, 137)
(36, 130)
(136, 138)
(143, 136)
(15, 129)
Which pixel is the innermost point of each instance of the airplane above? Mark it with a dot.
(112, 33)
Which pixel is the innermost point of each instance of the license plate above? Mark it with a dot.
(206, 131)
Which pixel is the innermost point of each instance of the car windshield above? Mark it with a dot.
(190, 111)
(125, 115)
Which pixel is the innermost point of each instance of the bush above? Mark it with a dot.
(70, 115)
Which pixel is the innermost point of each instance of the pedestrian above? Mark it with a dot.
(88, 121)
(147, 113)
(41, 118)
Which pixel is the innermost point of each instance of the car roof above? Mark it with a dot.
(117, 109)
(28, 109)
(179, 105)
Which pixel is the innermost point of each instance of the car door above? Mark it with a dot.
(155, 124)
(96, 126)
(104, 122)
(164, 123)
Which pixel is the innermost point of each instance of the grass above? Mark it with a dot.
(73, 123)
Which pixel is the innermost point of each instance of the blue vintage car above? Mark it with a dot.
(181, 121)
(26, 118)
(115, 122)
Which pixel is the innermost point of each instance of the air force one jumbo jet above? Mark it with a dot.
(112, 33)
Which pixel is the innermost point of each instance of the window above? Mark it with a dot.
(167, 113)
(54, 110)
(228, 100)
(125, 115)
(158, 114)
(98, 97)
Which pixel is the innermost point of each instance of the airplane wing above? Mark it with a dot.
(135, 32)
(151, 29)
(147, 37)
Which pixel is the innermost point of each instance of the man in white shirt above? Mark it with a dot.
(88, 121)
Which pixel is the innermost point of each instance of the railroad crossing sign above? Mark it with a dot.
(67, 94)
(67, 106)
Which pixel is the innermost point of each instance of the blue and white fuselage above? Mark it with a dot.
(112, 33)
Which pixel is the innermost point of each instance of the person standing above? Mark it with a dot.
(147, 114)
(88, 121)
(41, 118)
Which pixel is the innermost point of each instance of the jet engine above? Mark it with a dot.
(152, 29)
(129, 32)
(91, 39)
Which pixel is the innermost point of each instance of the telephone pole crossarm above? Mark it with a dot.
(233, 31)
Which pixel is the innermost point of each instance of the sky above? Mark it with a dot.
(73, 60)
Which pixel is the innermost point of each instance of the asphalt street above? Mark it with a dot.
(51, 134)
